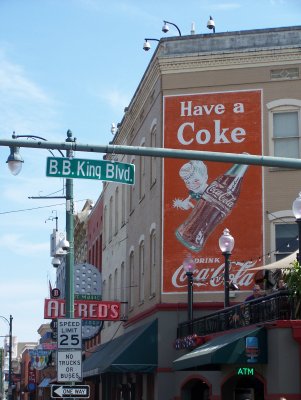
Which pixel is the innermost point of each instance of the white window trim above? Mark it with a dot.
(278, 217)
(278, 106)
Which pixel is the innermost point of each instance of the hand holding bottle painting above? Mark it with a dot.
(214, 204)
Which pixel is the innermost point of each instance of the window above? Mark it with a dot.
(122, 284)
(141, 272)
(131, 280)
(123, 204)
(153, 262)
(110, 218)
(153, 160)
(284, 126)
(141, 175)
(284, 234)
(116, 209)
(110, 288)
(286, 237)
(105, 219)
(132, 192)
(115, 284)
(286, 134)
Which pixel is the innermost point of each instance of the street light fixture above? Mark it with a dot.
(189, 265)
(10, 344)
(297, 213)
(226, 244)
(14, 160)
(165, 27)
(211, 24)
(146, 44)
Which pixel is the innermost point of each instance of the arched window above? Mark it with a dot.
(131, 280)
(132, 193)
(152, 263)
(153, 160)
(122, 283)
(116, 209)
(116, 285)
(141, 271)
(123, 203)
(110, 218)
(142, 173)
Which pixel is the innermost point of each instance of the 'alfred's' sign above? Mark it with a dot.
(84, 309)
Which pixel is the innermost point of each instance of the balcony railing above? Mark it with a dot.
(280, 305)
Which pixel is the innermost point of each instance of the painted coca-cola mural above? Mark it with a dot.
(203, 198)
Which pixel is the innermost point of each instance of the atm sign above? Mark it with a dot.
(245, 371)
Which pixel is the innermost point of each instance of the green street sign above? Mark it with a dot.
(102, 170)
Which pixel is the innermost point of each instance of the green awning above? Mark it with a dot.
(241, 347)
(134, 351)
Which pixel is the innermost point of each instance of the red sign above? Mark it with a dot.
(201, 199)
(84, 309)
(31, 376)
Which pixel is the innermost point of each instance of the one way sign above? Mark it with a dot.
(60, 391)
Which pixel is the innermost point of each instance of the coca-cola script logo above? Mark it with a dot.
(218, 191)
(214, 277)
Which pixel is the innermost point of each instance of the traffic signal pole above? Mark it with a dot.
(247, 159)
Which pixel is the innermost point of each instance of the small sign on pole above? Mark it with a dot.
(69, 333)
(59, 391)
(69, 366)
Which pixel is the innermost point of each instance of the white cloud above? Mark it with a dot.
(116, 99)
(13, 82)
(14, 243)
(24, 105)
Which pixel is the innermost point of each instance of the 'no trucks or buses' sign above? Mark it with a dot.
(102, 170)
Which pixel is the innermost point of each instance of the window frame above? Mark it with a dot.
(284, 217)
(283, 106)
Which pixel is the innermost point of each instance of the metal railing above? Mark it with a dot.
(280, 305)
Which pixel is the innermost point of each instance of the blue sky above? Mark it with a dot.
(75, 64)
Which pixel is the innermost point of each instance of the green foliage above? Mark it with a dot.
(292, 277)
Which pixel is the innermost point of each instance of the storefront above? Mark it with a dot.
(239, 365)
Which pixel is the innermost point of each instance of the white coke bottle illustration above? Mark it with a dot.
(214, 206)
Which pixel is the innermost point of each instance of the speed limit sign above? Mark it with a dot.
(69, 333)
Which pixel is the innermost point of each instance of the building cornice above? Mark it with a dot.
(227, 60)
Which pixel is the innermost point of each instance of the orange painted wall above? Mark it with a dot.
(229, 122)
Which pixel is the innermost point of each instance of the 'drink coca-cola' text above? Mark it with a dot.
(213, 276)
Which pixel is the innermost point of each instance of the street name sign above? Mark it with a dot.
(69, 366)
(103, 170)
(69, 333)
(59, 391)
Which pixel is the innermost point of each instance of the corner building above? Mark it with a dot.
(234, 92)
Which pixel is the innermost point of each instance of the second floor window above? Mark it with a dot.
(286, 134)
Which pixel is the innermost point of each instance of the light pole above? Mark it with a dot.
(226, 244)
(10, 345)
(189, 265)
(297, 213)
(14, 162)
